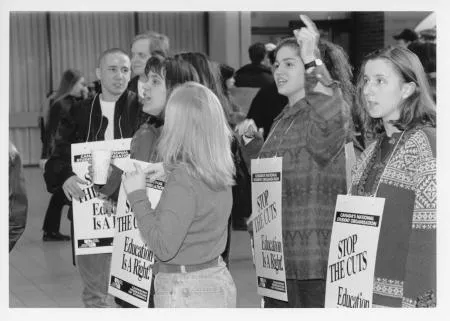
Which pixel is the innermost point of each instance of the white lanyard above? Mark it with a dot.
(281, 140)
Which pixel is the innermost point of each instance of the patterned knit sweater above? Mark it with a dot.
(405, 270)
(310, 136)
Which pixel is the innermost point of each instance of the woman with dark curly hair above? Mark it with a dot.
(309, 135)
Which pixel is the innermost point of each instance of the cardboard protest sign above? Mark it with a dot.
(132, 260)
(353, 250)
(266, 221)
(94, 224)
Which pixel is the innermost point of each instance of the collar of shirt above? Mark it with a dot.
(287, 111)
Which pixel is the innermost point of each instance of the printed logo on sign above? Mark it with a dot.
(120, 153)
(358, 219)
(266, 177)
(159, 185)
(89, 243)
(82, 158)
(117, 283)
(262, 282)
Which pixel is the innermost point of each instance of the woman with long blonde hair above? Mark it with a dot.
(188, 229)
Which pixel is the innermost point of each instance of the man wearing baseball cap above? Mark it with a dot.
(405, 38)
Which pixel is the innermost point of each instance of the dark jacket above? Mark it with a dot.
(253, 75)
(85, 123)
(266, 105)
(133, 85)
(58, 110)
(18, 201)
(242, 202)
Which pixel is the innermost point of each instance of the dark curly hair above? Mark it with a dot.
(209, 76)
(336, 61)
(174, 71)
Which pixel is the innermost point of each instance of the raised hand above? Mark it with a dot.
(307, 38)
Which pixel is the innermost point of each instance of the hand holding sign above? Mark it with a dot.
(72, 189)
(135, 180)
(154, 171)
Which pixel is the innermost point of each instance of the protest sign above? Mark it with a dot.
(266, 221)
(94, 224)
(353, 250)
(132, 260)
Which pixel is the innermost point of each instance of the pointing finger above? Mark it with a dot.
(309, 23)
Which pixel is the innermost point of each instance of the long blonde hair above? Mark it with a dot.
(197, 135)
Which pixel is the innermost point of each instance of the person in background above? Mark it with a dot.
(209, 76)
(400, 166)
(94, 88)
(405, 38)
(267, 104)
(142, 47)
(254, 74)
(112, 114)
(270, 47)
(425, 49)
(188, 229)
(72, 88)
(18, 200)
(428, 35)
(227, 81)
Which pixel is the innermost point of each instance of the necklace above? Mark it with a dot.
(386, 147)
(376, 167)
(387, 158)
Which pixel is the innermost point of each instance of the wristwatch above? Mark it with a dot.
(314, 63)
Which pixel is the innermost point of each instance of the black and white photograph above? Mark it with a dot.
(251, 157)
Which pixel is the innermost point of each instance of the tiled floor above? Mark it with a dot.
(42, 275)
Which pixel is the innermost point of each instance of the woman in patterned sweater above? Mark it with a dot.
(309, 134)
(400, 166)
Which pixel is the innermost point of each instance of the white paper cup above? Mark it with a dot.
(100, 164)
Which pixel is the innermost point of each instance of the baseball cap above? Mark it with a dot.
(406, 34)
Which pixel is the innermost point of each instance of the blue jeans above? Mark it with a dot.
(209, 288)
(94, 271)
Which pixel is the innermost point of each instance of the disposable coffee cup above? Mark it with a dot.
(100, 164)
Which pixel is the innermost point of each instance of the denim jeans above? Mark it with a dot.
(301, 294)
(209, 288)
(94, 271)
